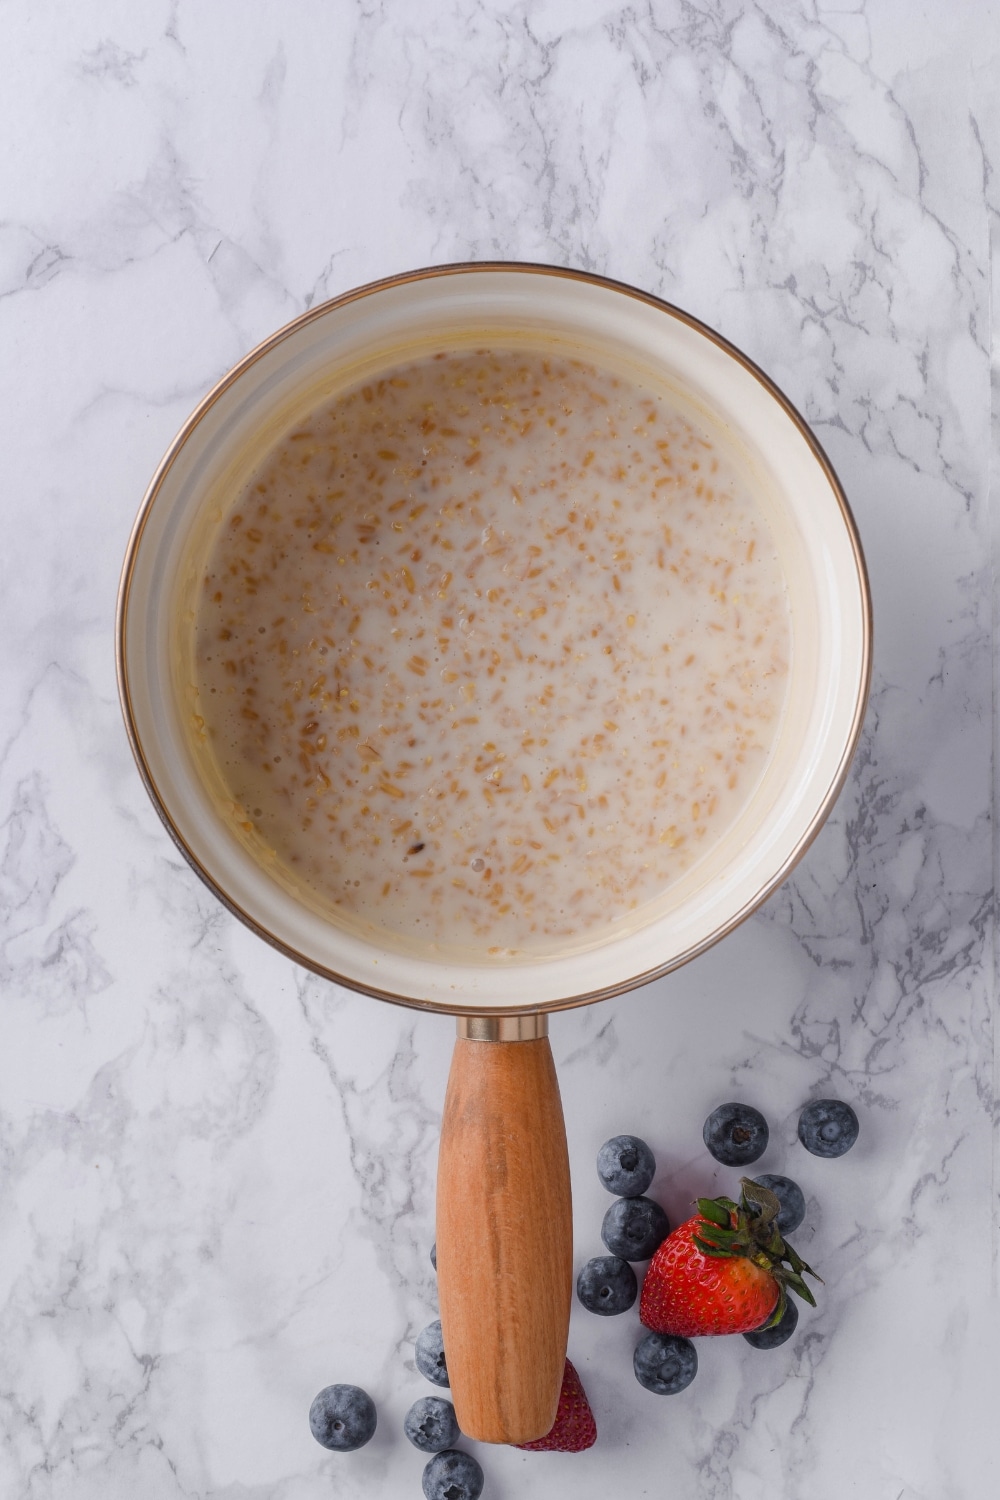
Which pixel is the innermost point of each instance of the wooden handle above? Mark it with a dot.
(504, 1239)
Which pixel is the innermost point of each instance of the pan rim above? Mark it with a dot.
(288, 330)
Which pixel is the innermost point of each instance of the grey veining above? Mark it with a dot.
(217, 1172)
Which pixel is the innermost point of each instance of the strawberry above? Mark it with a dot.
(574, 1428)
(725, 1270)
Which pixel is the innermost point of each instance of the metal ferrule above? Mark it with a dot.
(527, 1028)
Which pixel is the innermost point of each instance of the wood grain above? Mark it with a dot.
(504, 1239)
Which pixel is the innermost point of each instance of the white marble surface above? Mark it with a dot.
(216, 1172)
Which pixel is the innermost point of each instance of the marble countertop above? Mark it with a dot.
(217, 1171)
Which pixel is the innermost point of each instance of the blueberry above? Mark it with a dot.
(429, 1354)
(665, 1364)
(434, 1255)
(626, 1166)
(607, 1285)
(342, 1418)
(828, 1127)
(633, 1227)
(452, 1475)
(789, 1195)
(770, 1338)
(431, 1424)
(736, 1134)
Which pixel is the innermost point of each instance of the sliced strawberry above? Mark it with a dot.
(574, 1428)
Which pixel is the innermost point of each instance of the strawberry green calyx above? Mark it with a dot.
(749, 1228)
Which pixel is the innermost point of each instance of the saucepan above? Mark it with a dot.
(503, 1215)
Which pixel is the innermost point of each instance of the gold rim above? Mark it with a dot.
(465, 268)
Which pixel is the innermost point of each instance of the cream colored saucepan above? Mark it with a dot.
(503, 1215)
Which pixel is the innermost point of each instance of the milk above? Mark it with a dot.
(490, 651)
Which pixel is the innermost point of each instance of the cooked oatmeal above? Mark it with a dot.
(490, 651)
